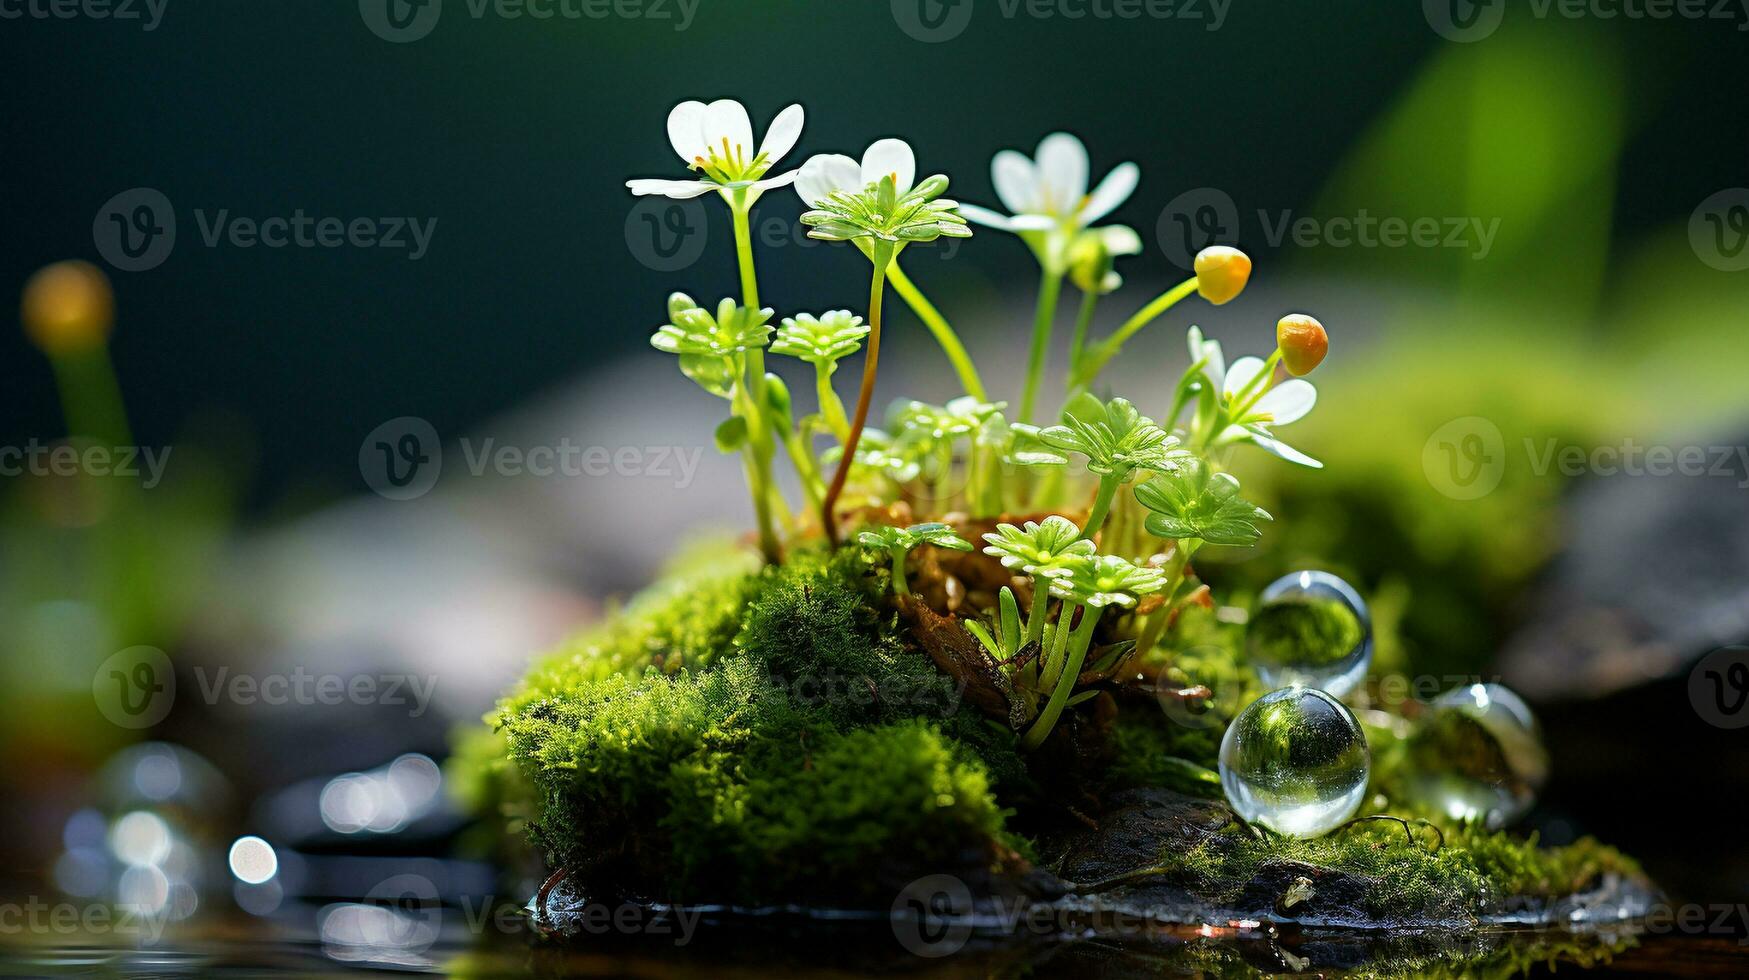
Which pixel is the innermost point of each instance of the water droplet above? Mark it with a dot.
(1295, 761)
(1478, 755)
(1310, 629)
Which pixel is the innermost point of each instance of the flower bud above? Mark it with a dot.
(67, 308)
(1221, 273)
(1303, 343)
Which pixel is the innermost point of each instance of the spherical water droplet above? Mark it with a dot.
(1310, 629)
(1478, 755)
(1295, 761)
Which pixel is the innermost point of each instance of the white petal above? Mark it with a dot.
(686, 130)
(1115, 189)
(1241, 374)
(781, 180)
(680, 190)
(1033, 222)
(781, 137)
(726, 119)
(1062, 170)
(1274, 446)
(986, 217)
(890, 156)
(1120, 240)
(1288, 401)
(1016, 181)
(825, 173)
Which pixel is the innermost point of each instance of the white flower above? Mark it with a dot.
(717, 141)
(827, 172)
(1287, 402)
(1048, 194)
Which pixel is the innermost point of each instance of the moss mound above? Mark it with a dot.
(777, 735)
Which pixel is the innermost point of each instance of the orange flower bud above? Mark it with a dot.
(67, 308)
(1303, 343)
(1221, 273)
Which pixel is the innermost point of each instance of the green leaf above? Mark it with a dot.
(732, 434)
(1114, 437)
(1198, 502)
(713, 373)
(822, 341)
(1106, 580)
(1040, 549)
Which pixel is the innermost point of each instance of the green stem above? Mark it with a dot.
(1108, 348)
(1083, 320)
(877, 286)
(1035, 620)
(1053, 668)
(760, 447)
(1049, 288)
(900, 585)
(831, 408)
(1047, 718)
(1108, 484)
(91, 398)
(944, 335)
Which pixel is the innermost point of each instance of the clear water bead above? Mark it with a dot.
(1478, 755)
(1310, 629)
(1295, 761)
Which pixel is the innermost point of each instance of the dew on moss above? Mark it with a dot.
(1478, 755)
(1295, 761)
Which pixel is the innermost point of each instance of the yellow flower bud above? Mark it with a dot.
(1221, 273)
(67, 308)
(1303, 343)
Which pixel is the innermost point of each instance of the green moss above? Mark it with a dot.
(1473, 870)
(778, 743)
(770, 736)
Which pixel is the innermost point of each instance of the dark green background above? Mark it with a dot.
(517, 134)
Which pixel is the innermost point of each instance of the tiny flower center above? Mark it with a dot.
(728, 163)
